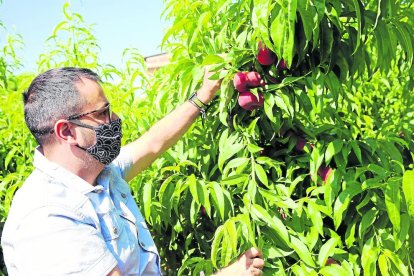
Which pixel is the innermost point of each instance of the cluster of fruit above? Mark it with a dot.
(244, 81)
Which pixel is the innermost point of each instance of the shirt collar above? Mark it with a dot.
(58, 172)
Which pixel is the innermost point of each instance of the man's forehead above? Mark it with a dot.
(92, 92)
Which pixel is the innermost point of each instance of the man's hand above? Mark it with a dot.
(249, 263)
(209, 88)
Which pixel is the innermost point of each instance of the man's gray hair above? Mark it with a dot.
(52, 96)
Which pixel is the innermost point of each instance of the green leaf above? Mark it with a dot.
(402, 268)
(228, 148)
(253, 148)
(333, 148)
(392, 202)
(307, 13)
(275, 252)
(9, 156)
(60, 26)
(343, 200)
(216, 193)
(268, 106)
(231, 236)
(327, 250)
(147, 198)
(402, 235)
(260, 15)
(194, 211)
(367, 221)
(408, 188)
(275, 223)
(212, 59)
(404, 37)
(356, 150)
(235, 163)
(217, 245)
(261, 174)
(383, 264)
(302, 251)
(369, 258)
(358, 11)
(277, 29)
(235, 179)
(315, 216)
(290, 41)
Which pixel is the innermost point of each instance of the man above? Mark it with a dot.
(75, 213)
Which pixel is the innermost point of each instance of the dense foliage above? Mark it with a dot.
(320, 178)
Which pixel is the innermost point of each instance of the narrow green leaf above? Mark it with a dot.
(392, 202)
(333, 148)
(315, 216)
(147, 197)
(268, 106)
(326, 250)
(367, 221)
(261, 174)
(356, 150)
(253, 148)
(369, 258)
(408, 188)
(275, 223)
(402, 268)
(231, 234)
(217, 245)
(358, 11)
(235, 179)
(302, 251)
(216, 193)
(343, 200)
(235, 163)
(9, 157)
(383, 264)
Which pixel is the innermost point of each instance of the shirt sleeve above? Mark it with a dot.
(51, 244)
(123, 162)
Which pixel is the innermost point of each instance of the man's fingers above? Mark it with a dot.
(258, 263)
(253, 253)
(255, 271)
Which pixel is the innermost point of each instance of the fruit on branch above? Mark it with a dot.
(324, 172)
(282, 65)
(254, 79)
(330, 261)
(249, 101)
(265, 56)
(300, 143)
(242, 81)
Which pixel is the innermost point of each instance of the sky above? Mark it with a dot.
(118, 25)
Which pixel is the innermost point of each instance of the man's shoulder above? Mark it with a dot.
(41, 191)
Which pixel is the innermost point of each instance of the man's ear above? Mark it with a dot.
(65, 132)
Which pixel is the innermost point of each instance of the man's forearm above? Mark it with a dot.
(161, 136)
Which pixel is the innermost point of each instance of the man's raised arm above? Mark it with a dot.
(167, 131)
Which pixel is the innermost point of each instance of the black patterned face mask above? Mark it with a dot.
(108, 141)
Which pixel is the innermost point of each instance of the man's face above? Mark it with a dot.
(95, 112)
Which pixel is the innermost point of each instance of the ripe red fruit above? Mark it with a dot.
(265, 56)
(203, 211)
(330, 261)
(324, 172)
(240, 81)
(249, 101)
(254, 79)
(300, 144)
(282, 65)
